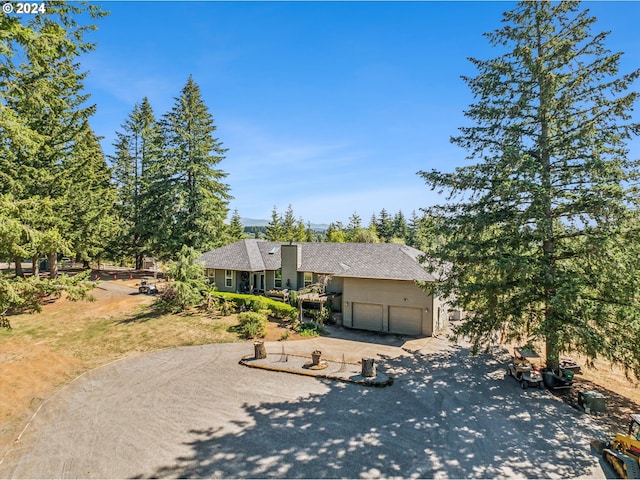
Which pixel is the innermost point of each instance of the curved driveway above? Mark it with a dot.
(195, 412)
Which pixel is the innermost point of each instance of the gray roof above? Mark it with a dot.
(361, 260)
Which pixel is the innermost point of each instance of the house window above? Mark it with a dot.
(278, 279)
(308, 278)
(228, 278)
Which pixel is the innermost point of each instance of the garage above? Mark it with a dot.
(367, 316)
(405, 320)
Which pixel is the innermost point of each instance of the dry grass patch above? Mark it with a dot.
(46, 351)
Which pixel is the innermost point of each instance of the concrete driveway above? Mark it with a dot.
(195, 412)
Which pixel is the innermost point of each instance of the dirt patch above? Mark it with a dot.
(622, 393)
(280, 331)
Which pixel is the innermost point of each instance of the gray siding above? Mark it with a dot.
(290, 260)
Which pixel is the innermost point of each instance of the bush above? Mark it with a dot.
(252, 324)
(256, 304)
(310, 329)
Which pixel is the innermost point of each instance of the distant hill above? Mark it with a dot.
(253, 222)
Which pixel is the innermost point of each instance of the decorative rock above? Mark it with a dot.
(260, 350)
(368, 367)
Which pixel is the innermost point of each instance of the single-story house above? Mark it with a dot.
(374, 282)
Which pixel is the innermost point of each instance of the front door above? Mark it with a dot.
(258, 281)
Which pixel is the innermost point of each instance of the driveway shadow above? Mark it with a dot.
(448, 415)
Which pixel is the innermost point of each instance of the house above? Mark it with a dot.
(374, 283)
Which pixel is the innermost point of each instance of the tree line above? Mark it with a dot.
(59, 195)
(382, 228)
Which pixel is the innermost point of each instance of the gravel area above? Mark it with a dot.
(197, 412)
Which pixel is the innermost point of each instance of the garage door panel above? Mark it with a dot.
(367, 316)
(405, 320)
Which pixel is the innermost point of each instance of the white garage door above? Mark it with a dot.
(405, 320)
(367, 316)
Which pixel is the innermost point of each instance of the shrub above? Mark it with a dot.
(252, 324)
(256, 304)
(310, 329)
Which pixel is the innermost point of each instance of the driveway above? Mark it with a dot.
(195, 412)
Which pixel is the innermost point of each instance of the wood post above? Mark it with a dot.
(260, 350)
(315, 357)
(368, 367)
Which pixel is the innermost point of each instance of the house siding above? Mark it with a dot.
(290, 257)
(220, 281)
(387, 293)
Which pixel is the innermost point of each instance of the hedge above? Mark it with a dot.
(256, 303)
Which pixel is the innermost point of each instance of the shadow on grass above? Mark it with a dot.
(149, 312)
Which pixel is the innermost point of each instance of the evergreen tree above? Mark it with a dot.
(384, 226)
(275, 230)
(301, 231)
(289, 225)
(44, 94)
(542, 238)
(310, 235)
(235, 231)
(335, 233)
(194, 153)
(400, 228)
(90, 200)
(137, 165)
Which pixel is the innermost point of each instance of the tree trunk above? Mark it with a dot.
(53, 265)
(19, 271)
(35, 266)
(368, 367)
(139, 259)
(260, 350)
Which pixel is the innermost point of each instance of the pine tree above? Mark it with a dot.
(310, 235)
(384, 226)
(194, 152)
(400, 228)
(275, 230)
(90, 200)
(289, 225)
(542, 237)
(235, 231)
(138, 164)
(44, 94)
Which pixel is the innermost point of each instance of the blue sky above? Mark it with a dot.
(330, 107)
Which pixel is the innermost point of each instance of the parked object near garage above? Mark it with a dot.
(558, 379)
(570, 364)
(524, 368)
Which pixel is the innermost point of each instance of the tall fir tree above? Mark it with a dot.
(44, 94)
(541, 234)
(201, 197)
(90, 199)
(138, 164)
